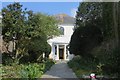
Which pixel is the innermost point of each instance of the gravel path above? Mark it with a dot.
(60, 70)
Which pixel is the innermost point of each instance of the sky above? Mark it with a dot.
(50, 8)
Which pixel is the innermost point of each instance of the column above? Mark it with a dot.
(57, 52)
(65, 52)
(68, 55)
(53, 52)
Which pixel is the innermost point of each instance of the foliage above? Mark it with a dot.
(84, 39)
(105, 50)
(27, 30)
(48, 64)
(10, 71)
(108, 59)
(82, 66)
(46, 25)
(113, 58)
(88, 13)
(6, 59)
(1, 71)
(88, 29)
(31, 70)
(14, 26)
(107, 19)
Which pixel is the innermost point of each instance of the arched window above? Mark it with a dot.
(62, 30)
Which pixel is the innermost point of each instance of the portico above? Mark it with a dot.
(61, 51)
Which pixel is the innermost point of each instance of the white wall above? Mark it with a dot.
(64, 39)
(68, 29)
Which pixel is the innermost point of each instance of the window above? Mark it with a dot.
(55, 50)
(62, 30)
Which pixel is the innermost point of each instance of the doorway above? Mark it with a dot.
(61, 53)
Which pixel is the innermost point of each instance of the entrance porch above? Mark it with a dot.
(60, 51)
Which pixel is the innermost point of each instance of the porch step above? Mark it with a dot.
(61, 61)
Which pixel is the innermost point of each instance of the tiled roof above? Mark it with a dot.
(65, 19)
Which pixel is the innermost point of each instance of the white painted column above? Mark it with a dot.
(53, 52)
(68, 55)
(57, 52)
(65, 52)
(51, 56)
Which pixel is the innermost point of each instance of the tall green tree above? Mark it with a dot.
(88, 28)
(107, 22)
(41, 27)
(88, 13)
(13, 28)
(27, 30)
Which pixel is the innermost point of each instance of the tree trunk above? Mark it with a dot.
(115, 21)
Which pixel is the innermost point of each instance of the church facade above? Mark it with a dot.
(60, 44)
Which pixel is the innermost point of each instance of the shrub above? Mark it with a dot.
(35, 70)
(27, 71)
(108, 58)
(31, 70)
(48, 64)
(24, 59)
(112, 67)
(1, 71)
(6, 59)
(74, 63)
(10, 71)
(82, 66)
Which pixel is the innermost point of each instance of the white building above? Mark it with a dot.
(60, 44)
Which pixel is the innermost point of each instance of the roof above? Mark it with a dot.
(60, 39)
(65, 19)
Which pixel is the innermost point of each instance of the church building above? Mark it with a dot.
(59, 44)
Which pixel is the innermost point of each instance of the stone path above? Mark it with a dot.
(60, 70)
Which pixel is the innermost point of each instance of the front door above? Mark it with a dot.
(61, 53)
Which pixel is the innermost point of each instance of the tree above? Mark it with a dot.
(88, 29)
(114, 57)
(107, 24)
(46, 25)
(13, 28)
(96, 14)
(84, 39)
(88, 12)
(116, 23)
(27, 30)
(41, 28)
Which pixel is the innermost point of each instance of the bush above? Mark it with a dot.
(35, 70)
(1, 71)
(82, 66)
(84, 39)
(31, 70)
(24, 59)
(6, 59)
(112, 67)
(108, 57)
(10, 71)
(74, 63)
(48, 64)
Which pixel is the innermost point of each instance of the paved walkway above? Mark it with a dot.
(59, 70)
